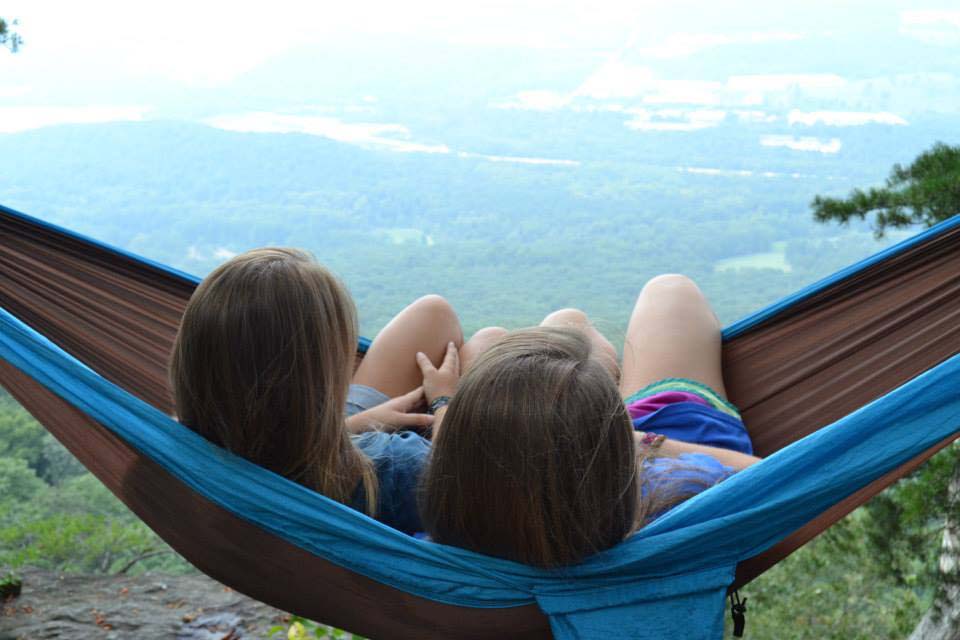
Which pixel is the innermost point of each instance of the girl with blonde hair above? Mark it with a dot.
(264, 366)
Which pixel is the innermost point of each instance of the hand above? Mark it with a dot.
(442, 381)
(393, 414)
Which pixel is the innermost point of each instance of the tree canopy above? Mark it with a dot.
(8, 38)
(926, 192)
(898, 527)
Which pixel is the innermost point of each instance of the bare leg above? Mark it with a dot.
(477, 344)
(601, 346)
(390, 364)
(673, 333)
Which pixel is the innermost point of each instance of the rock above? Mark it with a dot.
(79, 607)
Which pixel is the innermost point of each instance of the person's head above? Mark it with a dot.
(535, 460)
(262, 363)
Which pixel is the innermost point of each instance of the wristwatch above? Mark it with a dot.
(438, 402)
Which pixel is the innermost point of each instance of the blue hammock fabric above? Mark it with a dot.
(662, 582)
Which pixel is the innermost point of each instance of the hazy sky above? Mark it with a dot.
(100, 60)
(210, 42)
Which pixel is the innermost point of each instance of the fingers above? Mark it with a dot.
(426, 367)
(408, 400)
(422, 420)
(451, 361)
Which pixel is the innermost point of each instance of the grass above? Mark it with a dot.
(775, 259)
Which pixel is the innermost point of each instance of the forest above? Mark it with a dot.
(506, 243)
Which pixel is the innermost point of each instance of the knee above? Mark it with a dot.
(567, 316)
(670, 280)
(438, 313)
(433, 305)
(673, 285)
(490, 334)
(673, 290)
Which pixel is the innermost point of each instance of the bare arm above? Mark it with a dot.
(673, 448)
(396, 413)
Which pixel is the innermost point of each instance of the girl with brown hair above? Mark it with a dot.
(263, 365)
(539, 459)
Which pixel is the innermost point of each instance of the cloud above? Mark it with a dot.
(741, 173)
(707, 171)
(755, 116)
(222, 253)
(681, 45)
(390, 136)
(212, 42)
(784, 81)
(616, 79)
(686, 92)
(205, 254)
(940, 27)
(755, 89)
(844, 118)
(14, 91)
(520, 159)
(537, 100)
(925, 17)
(674, 119)
(360, 133)
(14, 119)
(832, 145)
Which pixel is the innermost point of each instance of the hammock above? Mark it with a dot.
(847, 385)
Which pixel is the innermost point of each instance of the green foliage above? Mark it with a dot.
(8, 38)
(18, 482)
(834, 588)
(80, 495)
(55, 515)
(23, 438)
(86, 543)
(10, 585)
(59, 464)
(303, 629)
(20, 435)
(903, 525)
(926, 192)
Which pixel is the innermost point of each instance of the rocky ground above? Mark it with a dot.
(143, 607)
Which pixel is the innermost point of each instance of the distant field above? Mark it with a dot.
(775, 259)
(402, 235)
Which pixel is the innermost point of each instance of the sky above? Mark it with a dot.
(107, 60)
(207, 43)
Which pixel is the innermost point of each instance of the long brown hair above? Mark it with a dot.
(535, 460)
(261, 367)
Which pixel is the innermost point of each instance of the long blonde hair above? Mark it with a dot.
(261, 367)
